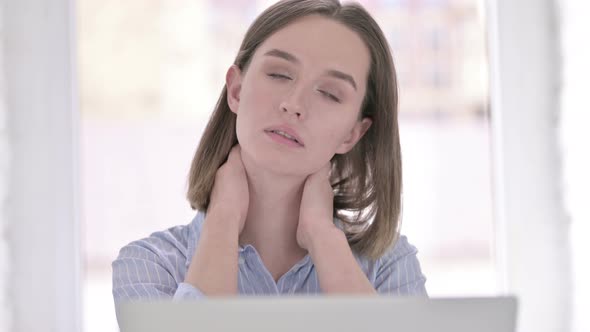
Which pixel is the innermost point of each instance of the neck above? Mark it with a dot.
(273, 213)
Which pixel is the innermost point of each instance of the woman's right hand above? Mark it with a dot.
(214, 267)
(230, 196)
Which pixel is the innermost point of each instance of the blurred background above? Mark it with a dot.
(148, 73)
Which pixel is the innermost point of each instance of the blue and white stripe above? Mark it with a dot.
(154, 268)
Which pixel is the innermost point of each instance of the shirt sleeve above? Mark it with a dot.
(153, 269)
(399, 271)
(187, 291)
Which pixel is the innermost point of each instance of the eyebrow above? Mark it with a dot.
(331, 72)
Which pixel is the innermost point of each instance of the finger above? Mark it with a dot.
(323, 172)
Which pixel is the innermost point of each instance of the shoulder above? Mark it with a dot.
(398, 270)
(169, 245)
(152, 267)
(400, 249)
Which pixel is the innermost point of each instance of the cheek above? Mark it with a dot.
(333, 137)
(252, 104)
(337, 128)
(256, 102)
(268, 99)
(258, 92)
(330, 139)
(256, 108)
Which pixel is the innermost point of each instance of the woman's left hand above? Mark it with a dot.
(316, 213)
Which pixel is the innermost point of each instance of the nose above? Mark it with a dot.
(291, 109)
(294, 103)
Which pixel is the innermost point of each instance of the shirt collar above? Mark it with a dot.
(194, 232)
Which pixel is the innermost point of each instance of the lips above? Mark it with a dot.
(289, 133)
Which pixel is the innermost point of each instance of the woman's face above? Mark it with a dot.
(306, 81)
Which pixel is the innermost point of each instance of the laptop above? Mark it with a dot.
(322, 313)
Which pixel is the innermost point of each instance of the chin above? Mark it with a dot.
(276, 161)
(282, 165)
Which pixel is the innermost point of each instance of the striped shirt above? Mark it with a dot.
(154, 268)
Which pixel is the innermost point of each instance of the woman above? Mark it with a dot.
(297, 178)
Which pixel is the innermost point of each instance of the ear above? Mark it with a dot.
(233, 83)
(357, 132)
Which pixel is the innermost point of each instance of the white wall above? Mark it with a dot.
(5, 309)
(40, 215)
(575, 140)
(532, 227)
(541, 120)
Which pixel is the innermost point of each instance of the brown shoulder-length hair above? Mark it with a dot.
(367, 181)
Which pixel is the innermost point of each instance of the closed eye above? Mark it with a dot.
(330, 96)
(279, 76)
